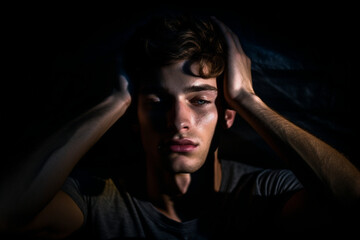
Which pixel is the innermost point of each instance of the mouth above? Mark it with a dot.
(182, 145)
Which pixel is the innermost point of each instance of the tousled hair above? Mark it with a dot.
(164, 40)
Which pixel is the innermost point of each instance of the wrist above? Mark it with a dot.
(247, 103)
(118, 101)
(243, 99)
(123, 98)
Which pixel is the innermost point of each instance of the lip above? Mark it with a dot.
(182, 145)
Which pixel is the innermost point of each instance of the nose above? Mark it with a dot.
(179, 116)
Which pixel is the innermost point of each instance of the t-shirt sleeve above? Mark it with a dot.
(275, 182)
(72, 188)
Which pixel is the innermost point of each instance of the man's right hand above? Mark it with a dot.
(121, 90)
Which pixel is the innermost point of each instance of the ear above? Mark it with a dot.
(229, 118)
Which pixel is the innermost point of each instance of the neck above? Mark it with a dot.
(217, 172)
(165, 189)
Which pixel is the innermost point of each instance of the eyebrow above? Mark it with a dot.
(198, 88)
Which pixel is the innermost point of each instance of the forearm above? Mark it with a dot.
(32, 185)
(331, 167)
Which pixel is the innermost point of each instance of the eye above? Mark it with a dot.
(152, 98)
(199, 101)
(157, 102)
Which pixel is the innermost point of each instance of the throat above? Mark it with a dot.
(182, 182)
(165, 193)
(173, 185)
(183, 196)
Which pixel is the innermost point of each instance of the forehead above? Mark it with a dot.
(179, 76)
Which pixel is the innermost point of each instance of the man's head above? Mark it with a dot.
(164, 40)
(175, 65)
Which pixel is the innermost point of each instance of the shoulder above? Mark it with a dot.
(262, 181)
(105, 203)
(93, 192)
(87, 184)
(271, 182)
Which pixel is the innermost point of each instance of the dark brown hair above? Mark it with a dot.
(164, 40)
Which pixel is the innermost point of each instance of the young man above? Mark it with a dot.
(189, 78)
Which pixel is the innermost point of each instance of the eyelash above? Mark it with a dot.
(197, 100)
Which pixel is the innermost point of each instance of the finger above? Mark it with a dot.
(123, 82)
(237, 43)
(126, 83)
(226, 31)
(230, 37)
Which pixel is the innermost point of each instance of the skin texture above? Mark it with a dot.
(190, 113)
(288, 140)
(181, 107)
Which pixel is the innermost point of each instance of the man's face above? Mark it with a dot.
(178, 116)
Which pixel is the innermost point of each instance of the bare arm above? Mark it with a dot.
(30, 188)
(330, 166)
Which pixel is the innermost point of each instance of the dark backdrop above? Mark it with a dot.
(60, 63)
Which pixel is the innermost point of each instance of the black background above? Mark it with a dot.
(59, 62)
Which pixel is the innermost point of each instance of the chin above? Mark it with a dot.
(183, 164)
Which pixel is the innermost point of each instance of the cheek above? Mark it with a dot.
(207, 119)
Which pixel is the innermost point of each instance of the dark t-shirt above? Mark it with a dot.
(250, 198)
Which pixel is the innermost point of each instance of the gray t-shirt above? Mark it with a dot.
(249, 198)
